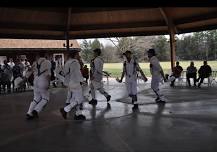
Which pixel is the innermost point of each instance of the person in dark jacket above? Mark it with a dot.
(191, 73)
(176, 73)
(205, 71)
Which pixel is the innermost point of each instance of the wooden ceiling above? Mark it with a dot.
(89, 22)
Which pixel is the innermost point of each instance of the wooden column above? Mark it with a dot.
(172, 30)
(67, 41)
(68, 20)
(172, 49)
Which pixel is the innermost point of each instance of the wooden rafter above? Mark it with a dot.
(30, 26)
(68, 22)
(117, 25)
(172, 30)
(196, 18)
(68, 18)
(168, 21)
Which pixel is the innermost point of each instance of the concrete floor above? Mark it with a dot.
(188, 122)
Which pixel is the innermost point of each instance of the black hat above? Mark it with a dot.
(152, 51)
(129, 52)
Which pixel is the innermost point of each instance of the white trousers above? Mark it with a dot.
(41, 95)
(95, 85)
(131, 87)
(155, 81)
(76, 98)
(85, 93)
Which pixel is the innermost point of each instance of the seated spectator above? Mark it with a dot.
(177, 70)
(191, 73)
(205, 71)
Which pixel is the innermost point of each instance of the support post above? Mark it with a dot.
(172, 49)
(172, 30)
(68, 20)
(67, 41)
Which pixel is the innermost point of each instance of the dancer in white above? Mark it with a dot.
(72, 67)
(157, 74)
(96, 75)
(42, 73)
(130, 69)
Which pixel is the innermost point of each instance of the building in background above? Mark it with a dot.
(28, 48)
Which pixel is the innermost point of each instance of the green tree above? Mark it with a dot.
(162, 48)
(86, 50)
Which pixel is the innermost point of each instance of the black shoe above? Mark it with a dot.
(108, 98)
(157, 99)
(108, 106)
(135, 107)
(35, 113)
(93, 102)
(54, 85)
(64, 114)
(67, 104)
(29, 117)
(79, 117)
(172, 85)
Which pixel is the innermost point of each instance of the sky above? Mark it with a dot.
(104, 41)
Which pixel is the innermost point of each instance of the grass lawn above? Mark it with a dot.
(116, 68)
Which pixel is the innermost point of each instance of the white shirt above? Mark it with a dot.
(155, 66)
(45, 68)
(131, 70)
(72, 68)
(97, 69)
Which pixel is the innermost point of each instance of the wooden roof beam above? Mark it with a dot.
(172, 30)
(116, 26)
(68, 21)
(168, 21)
(27, 26)
(79, 9)
(103, 9)
(116, 34)
(198, 29)
(31, 36)
(196, 18)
